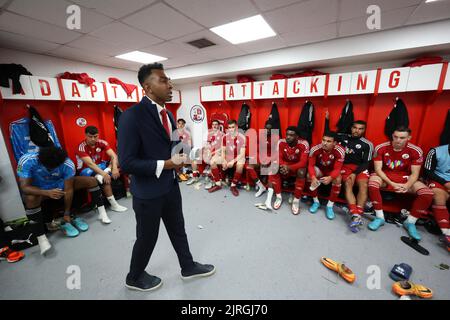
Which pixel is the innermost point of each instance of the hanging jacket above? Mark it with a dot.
(83, 78)
(397, 117)
(306, 121)
(116, 117)
(346, 119)
(244, 117)
(445, 136)
(12, 71)
(274, 118)
(39, 133)
(129, 88)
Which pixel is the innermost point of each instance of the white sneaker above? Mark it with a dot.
(260, 192)
(102, 216)
(291, 198)
(44, 244)
(277, 203)
(295, 207)
(118, 208)
(191, 180)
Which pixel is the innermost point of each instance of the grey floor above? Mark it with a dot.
(258, 255)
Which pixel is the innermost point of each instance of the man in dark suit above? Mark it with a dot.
(145, 152)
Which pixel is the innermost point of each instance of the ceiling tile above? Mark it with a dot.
(76, 54)
(123, 35)
(432, 11)
(20, 42)
(114, 8)
(54, 12)
(261, 45)
(357, 8)
(265, 5)
(119, 63)
(310, 35)
(162, 21)
(169, 49)
(391, 19)
(303, 15)
(25, 26)
(212, 13)
(220, 52)
(95, 45)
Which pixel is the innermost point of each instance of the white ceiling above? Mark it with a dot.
(162, 27)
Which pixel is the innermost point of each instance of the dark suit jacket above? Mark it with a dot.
(142, 141)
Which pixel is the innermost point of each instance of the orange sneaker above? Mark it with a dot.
(340, 268)
(407, 288)
(11, 256)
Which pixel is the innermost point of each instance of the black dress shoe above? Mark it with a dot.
(198, 270)
(146, 282)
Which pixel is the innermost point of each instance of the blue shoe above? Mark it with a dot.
(376, 224)
(355, 223)
(80, 224)
(69, 230)
(330, 213)
(412, 231)
(315, 206)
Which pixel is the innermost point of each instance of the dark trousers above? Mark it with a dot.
(149, 213)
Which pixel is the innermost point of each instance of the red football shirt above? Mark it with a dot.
(214, 140)
(295, 157)
(184, 136)
(398, 162)
(232, 144)
(96, 153)
(327, 162)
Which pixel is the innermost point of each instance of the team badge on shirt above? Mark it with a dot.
(405, 156)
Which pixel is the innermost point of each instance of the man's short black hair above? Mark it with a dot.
(232, 121)
(362, 122)
(181, 120)
(52, 157)
(330, 134)
(146, 70)
(403, 129)
(215, 120)
(293, 128)
(92, 130)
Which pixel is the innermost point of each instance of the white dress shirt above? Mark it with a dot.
(160, 163)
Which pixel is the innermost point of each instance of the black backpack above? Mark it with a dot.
(39, 133)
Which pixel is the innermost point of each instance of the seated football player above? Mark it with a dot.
(324, 167)
(358, 154)
(292, 158)
(232, 155)
(90, 156)
(50, 174)
(183, 135)
(211, 148)
(397, 166)
(262, 160)
(437, 173)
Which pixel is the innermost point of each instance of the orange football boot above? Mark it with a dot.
(340, 268)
